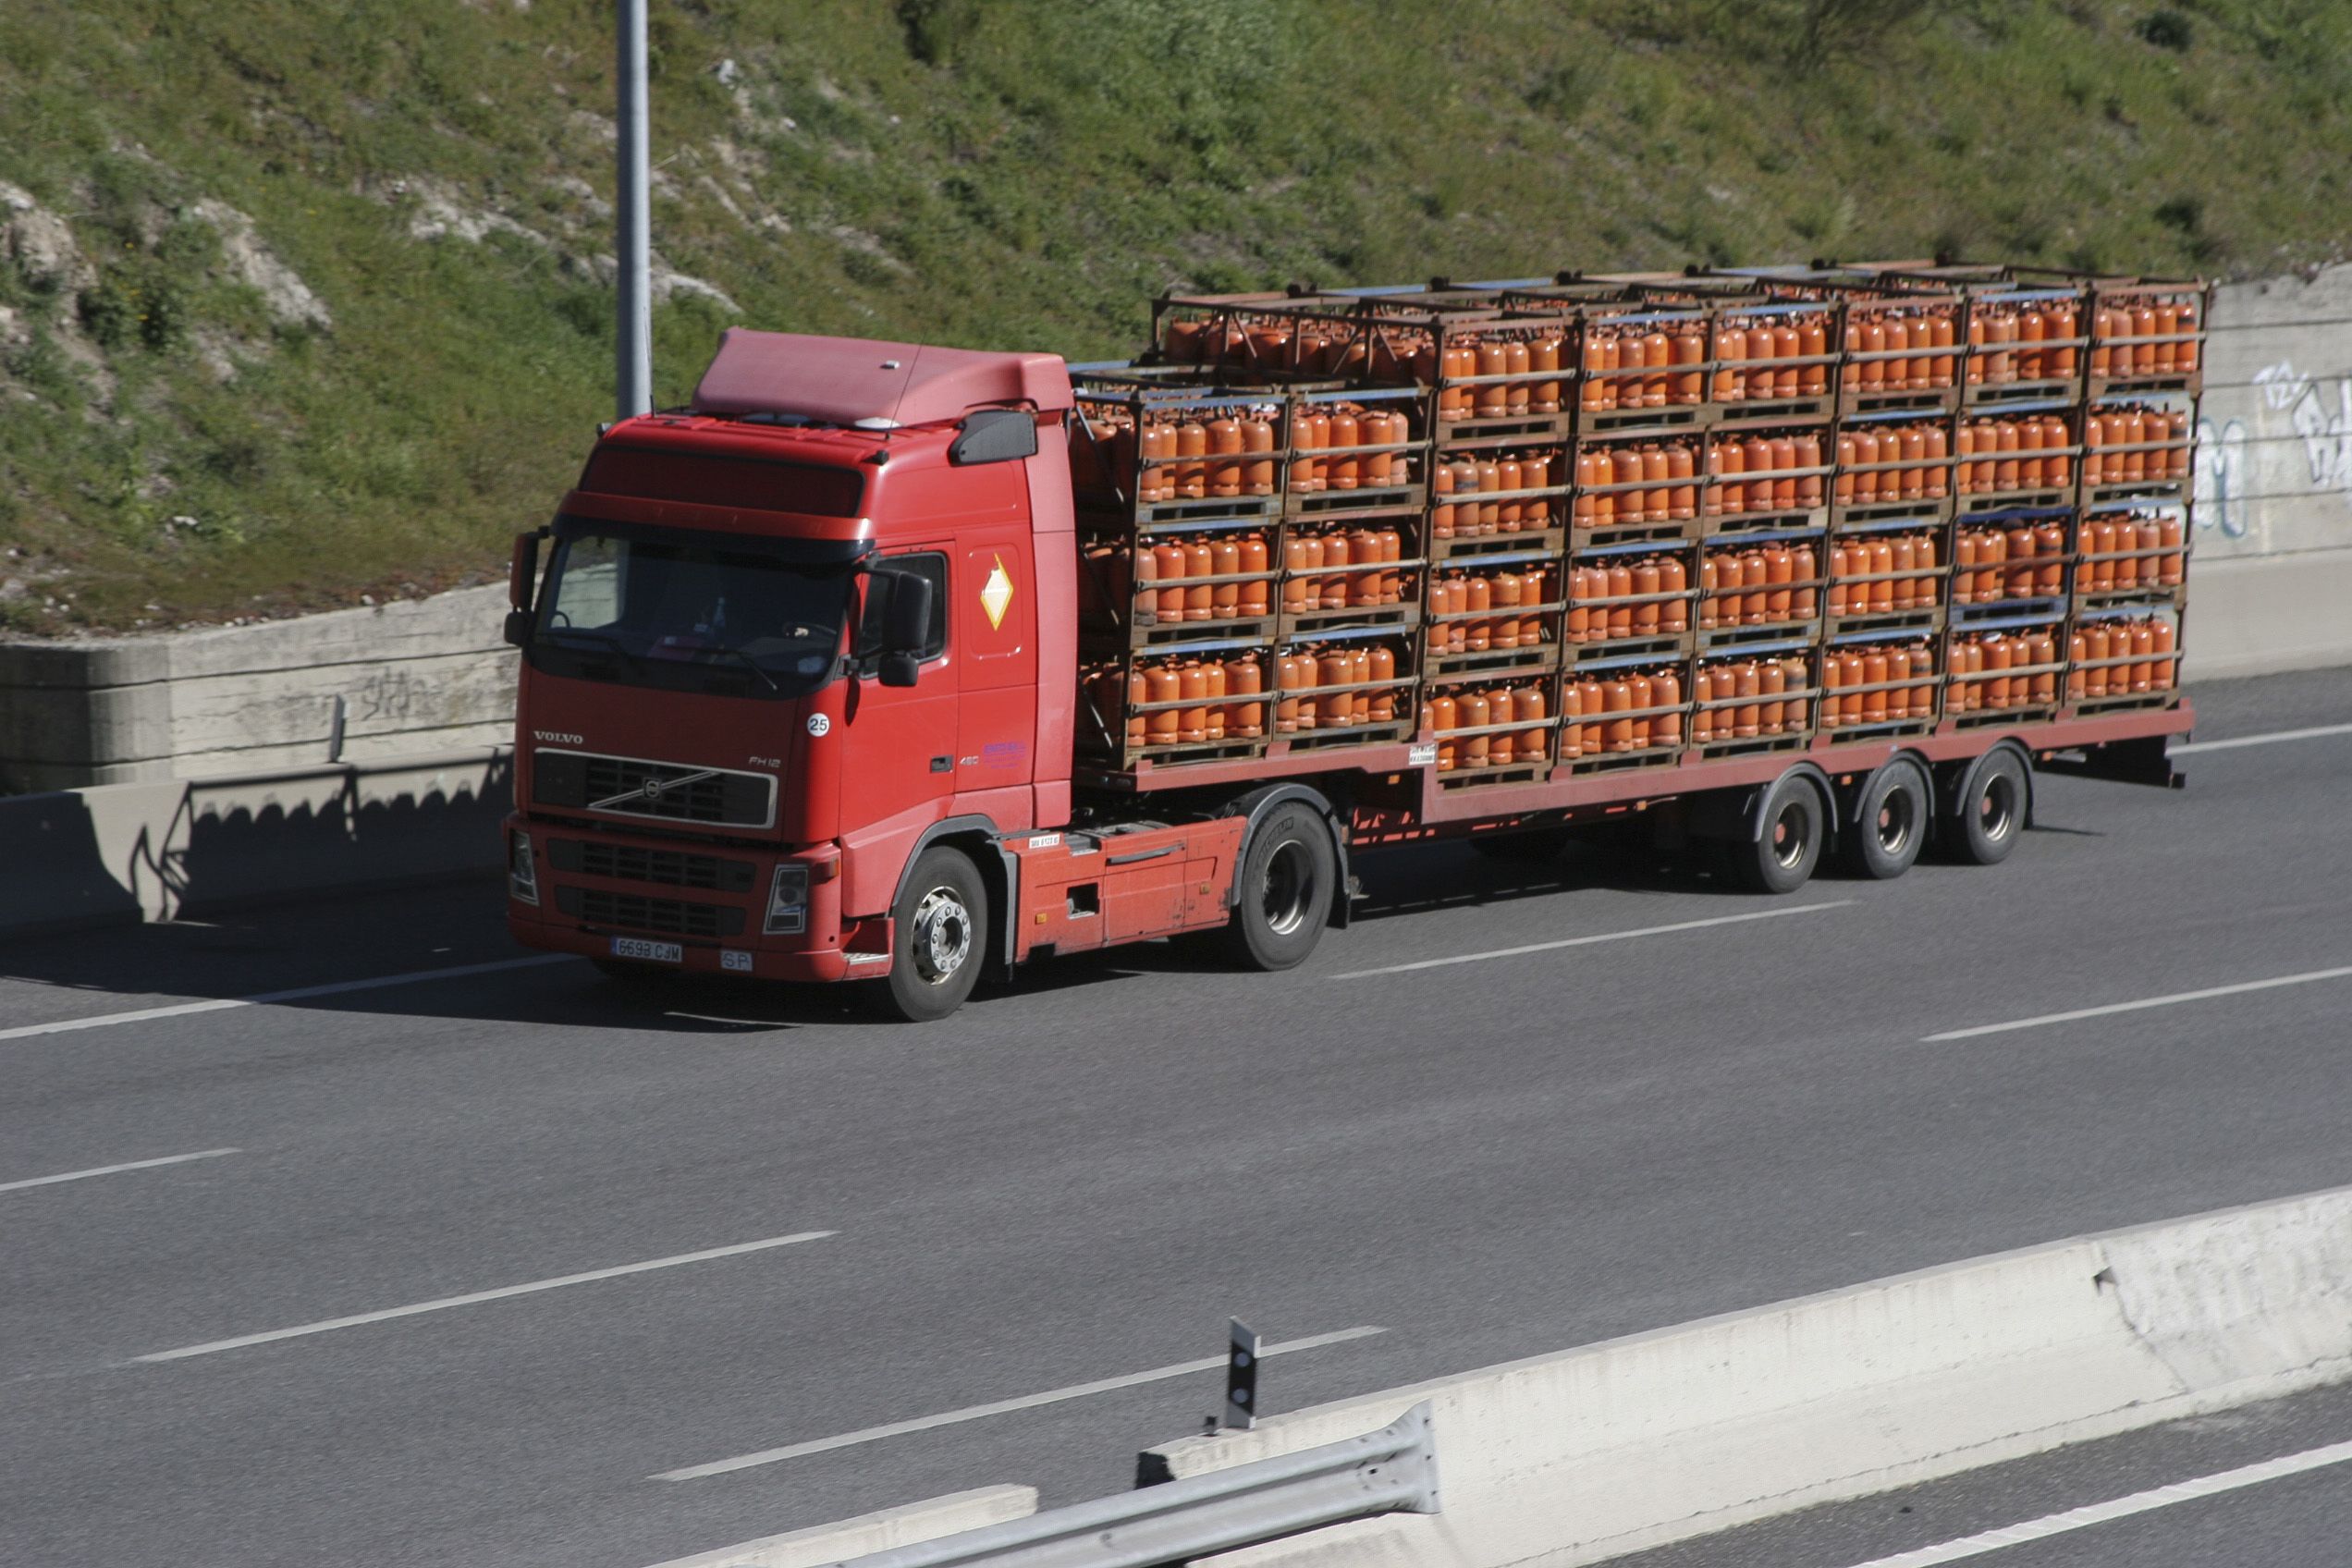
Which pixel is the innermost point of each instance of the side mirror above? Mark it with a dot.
(900, 669)
(906, 620)
(518, 627)
(522, 571)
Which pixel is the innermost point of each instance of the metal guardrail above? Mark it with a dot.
(1393, 1470)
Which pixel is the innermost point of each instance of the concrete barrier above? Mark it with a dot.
(2259, 615)
(413, 677)
(1616, 1447)
(128, 852)
(873, 1532)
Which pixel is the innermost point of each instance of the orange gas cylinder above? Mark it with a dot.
(1690, 349)
(1780, 571)
(2050, 565)
(1516, 362)
(1473, 710)
(1808, 454)
(1756, 457)
(1593, 702)
(1813, 342)
(1882, 582)
(2143, 321)
(1167, 561)
(1656, 469)
(2042, 654)
(1442, 719)
(1254, 596)
(1903, 556)
(1588, 394)
(1805, 570)
(1509, 477)
(1644, 586)
(1528, 707)
(1200, 598)
(1578, 619)
(1783, 460)
(1898, 342)
(1673, 578)
(1257, 467)
(1380, 664)
(1224, 440)
(1224, 562)
(1618, 700)
(1748, 686)
(1478, 600)
(1493, 397)
(1851, 669)
(1658, 356)
(1725, 459)
(1333, 589)
(1161, 684)
(2031, 327)
(1639, 687)
(1621, 612)
(1346, 468)
(2143, 649)
(1898, 705)
(1755, 605)
(1336, 667)
(2160, 641)
(1771, 679)
(1870, 450)
(1873, 348)
(1192, 447)
(2099, 645)
(2185, 352)
(1572, 733)
(1666, 692)
(1832, 685)
(1626, 468)
(1543, 359)
(1213, 687)
(1731, 379)
(1786, 374)
(2171, 566)
(1504, 631)
(1244, 677)
(1913, 453)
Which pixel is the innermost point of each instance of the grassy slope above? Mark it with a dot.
(999, 172)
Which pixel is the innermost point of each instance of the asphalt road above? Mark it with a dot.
(1081, 1178)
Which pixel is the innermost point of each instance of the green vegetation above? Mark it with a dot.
(184, 434)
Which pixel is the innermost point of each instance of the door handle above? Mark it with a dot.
(943, 765)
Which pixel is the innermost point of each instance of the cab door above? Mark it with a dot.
(898, 746)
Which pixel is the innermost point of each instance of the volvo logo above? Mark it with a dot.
(559, 737)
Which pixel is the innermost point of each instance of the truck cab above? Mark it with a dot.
(786, 641)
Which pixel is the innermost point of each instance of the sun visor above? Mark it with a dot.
(849, 381)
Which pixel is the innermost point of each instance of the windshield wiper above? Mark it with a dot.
(606, 638)
(749, 663)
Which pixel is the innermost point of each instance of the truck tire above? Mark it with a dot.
(1989, 810)
(940, 925)
(1289, 876)
(1786, 847)
(1891, 822)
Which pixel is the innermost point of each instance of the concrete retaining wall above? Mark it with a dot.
(415, 676)
(126, 853)
(1572, 1458)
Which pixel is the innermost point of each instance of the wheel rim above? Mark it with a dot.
(1791, 834)
(1997, 808)
(942, 936)
(1898, 821)
(1290, 887)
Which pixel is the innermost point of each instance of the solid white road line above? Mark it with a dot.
(111, 1169)
(1587, 941)
(1001, 1407)
(2207, 994)
(2270, 740)
(301, 993)
(499, 1295)
(2120, 1508)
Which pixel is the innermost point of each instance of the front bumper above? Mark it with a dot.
(710, 901)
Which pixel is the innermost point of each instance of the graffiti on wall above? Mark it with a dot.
(2318, 413)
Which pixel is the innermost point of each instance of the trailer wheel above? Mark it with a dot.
(1890, 821)
(1786, 847)
(941, 922)
(1989, 810)
(1289, 876)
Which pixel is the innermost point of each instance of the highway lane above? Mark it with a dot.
(1075, 1181)
(2268, 1484)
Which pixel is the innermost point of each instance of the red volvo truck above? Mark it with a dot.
(900, 665)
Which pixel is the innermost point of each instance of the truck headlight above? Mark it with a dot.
(522, 877)
(787, 901)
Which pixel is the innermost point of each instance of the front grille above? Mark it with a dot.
(671, 868)
(618, 785)
(666, 917)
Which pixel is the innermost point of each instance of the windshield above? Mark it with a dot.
(701, 612)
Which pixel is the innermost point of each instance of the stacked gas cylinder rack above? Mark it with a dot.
(1591, 523)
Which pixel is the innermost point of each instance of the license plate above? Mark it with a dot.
(658, 952)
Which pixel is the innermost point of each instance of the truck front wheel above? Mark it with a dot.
(941, 921)
(1289, 876)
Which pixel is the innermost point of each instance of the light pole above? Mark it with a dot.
(632, 243)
